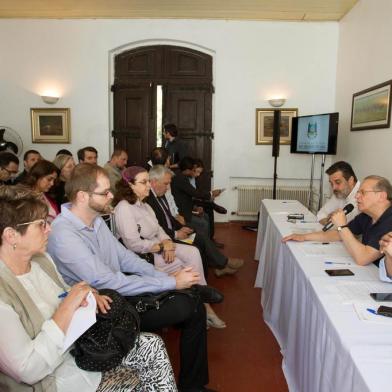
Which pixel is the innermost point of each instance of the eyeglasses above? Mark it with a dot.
(10, 172)
(362, 192)
(144, 182)
(41, 222)
(103, 193)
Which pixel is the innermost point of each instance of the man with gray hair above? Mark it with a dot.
(374, 198)
(160, 179)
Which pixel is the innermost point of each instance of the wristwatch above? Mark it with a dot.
(340, 228)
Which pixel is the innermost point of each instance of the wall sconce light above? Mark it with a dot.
(49, 100)
(277, 102)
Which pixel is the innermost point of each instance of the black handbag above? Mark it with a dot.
(197, 293)
(104, 345)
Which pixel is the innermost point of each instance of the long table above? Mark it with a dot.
(325, 346)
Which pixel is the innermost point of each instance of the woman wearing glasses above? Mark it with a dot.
(34, 319)
(140, 231)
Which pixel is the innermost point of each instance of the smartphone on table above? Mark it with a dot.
(339, 272)
(382, 297)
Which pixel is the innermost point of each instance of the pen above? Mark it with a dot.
(320, 243)
(305, 221)
(372, 311)
(332, 262)
(63, 294)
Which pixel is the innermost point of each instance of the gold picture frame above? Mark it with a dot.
(371, 108)
(265, 124)
(50, 125)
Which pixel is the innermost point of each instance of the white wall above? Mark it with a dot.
(252, 61)
(364, 60)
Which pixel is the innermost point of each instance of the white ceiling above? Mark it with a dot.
(294, 10)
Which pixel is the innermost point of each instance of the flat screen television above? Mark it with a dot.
(316, 134)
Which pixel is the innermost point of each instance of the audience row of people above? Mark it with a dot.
(88, 257)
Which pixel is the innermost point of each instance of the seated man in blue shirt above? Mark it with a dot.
(83, 248)
(375, 219)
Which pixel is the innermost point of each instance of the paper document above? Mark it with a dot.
(189, 239)
(82, 320)
(364, 315)
(359, 291)
(324, 249)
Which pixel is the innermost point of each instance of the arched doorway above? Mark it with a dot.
(159, 84)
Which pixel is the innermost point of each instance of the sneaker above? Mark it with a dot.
(224, 271)
(235, 263)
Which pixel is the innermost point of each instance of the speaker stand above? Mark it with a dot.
(310, 197)
(321, 189)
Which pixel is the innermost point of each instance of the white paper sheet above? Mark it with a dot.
(364, 315)
(330, 249)
(82, 320)
(358, 291)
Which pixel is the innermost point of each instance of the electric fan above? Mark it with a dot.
(10, 140)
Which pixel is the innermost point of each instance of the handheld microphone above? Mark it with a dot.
(347, 209)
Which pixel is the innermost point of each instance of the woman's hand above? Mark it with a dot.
(155, 248)
(169, 252)
(76, 297)
(103, 302)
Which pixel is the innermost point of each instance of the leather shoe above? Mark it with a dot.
(219, 209)
(208, 294)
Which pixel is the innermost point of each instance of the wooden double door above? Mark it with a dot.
(184, 78)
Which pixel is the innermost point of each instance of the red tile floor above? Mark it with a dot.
(243, 357)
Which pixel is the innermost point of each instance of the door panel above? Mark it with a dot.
(186, 107)
(132, 123)
(186, 77)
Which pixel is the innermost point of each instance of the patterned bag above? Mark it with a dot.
(104, 345)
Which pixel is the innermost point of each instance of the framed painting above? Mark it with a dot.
(265, 125)
(50, 125)
(371, 108)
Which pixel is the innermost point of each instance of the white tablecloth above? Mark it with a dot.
(325, 346)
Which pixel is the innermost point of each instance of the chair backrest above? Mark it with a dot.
(110, 222)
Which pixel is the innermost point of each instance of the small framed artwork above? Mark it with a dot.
(371, 108)
(50, 125)
(265, 125)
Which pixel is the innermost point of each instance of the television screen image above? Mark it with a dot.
(316, 134)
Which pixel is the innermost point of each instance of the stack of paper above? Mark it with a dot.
(361, 309)
(324, 249)
(82, 320)
(359, 291)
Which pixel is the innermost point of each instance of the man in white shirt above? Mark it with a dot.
(344, 186)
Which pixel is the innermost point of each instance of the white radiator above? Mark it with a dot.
(250, 196)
